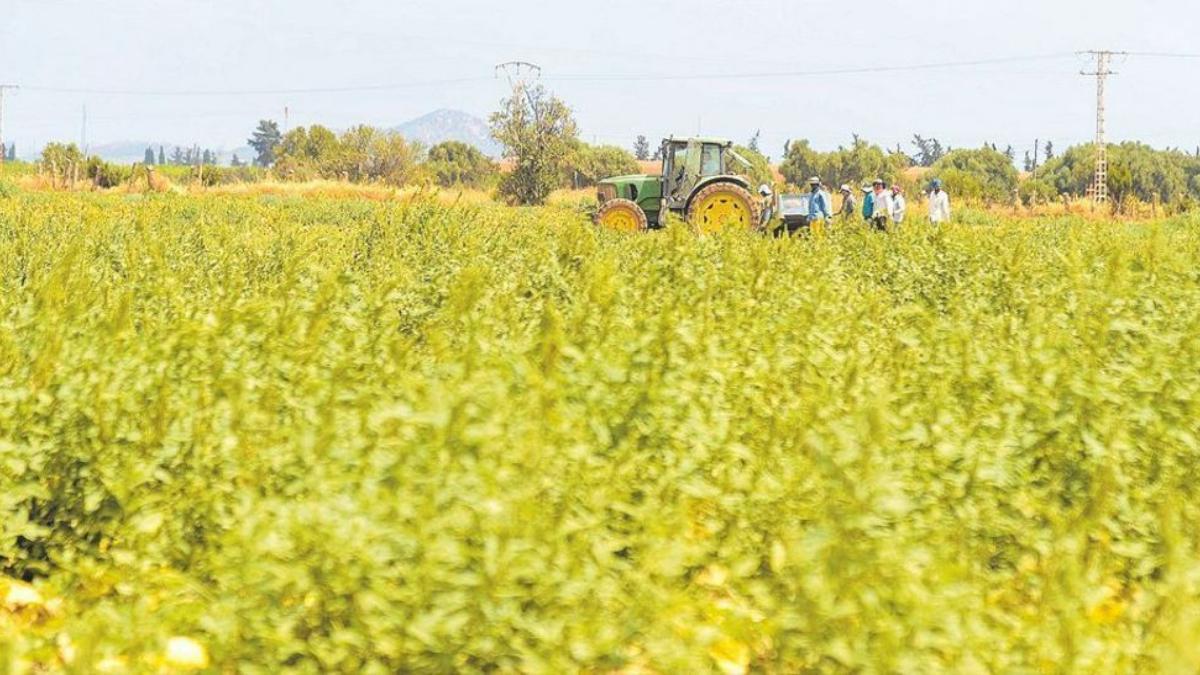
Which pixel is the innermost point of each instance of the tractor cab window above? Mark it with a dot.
(710, 160)
(679, 157)
(678, 162)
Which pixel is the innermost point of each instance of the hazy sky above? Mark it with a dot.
(218, 46)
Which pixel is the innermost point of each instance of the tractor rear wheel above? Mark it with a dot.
(622, 215)
(722, 206)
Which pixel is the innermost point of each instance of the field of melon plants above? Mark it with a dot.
(248, 434)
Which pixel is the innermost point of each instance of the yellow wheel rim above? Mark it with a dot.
(621, 219)
(722, 210)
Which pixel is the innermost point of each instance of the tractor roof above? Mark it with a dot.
(701, 139)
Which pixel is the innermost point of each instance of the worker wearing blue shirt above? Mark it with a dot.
(818, 203)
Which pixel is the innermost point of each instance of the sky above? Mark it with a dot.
(626, 67)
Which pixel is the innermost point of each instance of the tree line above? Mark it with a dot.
(190, 156)
(543, 152)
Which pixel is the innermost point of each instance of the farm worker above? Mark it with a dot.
(818, 203)
(868, 208)
(881, 205)
(899, 206)
(849, 205)
(939, 203)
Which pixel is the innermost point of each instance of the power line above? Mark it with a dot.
(1165, 55)
(816, 73)
(582, 77)
(256, 92)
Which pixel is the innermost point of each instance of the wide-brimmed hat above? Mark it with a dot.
(878, 181)
(845, 188)
(814, 181)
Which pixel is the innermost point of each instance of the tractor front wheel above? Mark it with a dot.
(622, 215)
(723, 206)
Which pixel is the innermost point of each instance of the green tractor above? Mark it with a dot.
(699, 182)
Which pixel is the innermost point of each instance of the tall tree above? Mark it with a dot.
(753, 144)
(162, 156)
(1049, 150)
(929, 150)
(148, 157)
(12, 152)
(1010, 153)
(236, 161)
(265, 140)
(177, 157)
(538, 131)
(641, 148)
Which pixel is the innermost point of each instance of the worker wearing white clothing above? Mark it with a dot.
(939, 204)
(899, 206)
(881, 206)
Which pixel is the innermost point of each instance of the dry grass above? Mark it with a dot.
(1130, 210)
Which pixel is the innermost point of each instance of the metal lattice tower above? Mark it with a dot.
(1099, 189)
(519, 72)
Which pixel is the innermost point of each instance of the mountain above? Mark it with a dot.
(450, 125)
(130, 152)
(431, 129)
(125, 152)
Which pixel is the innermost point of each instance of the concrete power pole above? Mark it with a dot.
(1099, 187)
(3, 145)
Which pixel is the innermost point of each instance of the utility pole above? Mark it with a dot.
(83, 132)
(286, 118)
(1100, 180)
(3, 146)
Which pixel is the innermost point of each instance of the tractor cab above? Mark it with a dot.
(688, 161)
(701, 180)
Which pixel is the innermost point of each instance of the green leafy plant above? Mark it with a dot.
(329, 435)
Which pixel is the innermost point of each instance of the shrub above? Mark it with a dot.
(1037, 191)
(454, 163)
(103, 174)
(978, 174)
(590, 164)
(61, 162)
(861, 162)
(759, 172)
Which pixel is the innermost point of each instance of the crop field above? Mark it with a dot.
(263, 434)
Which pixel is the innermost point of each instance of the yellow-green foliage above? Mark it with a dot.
(342, 436)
